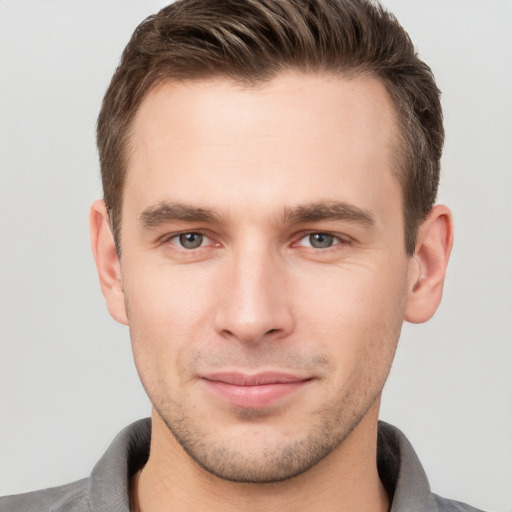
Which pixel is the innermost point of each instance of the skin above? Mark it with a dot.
(258, 174)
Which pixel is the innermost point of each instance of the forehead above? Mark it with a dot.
(312, 99)
(299, 132)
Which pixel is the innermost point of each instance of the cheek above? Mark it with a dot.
(168, 315)
(358, 325)
(354, 312)
(168, 299)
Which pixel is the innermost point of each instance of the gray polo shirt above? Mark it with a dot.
(107, 489)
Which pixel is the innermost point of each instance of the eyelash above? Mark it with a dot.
(339, 240)
(168, 238)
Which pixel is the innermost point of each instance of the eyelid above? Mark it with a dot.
(169, 237)
(341, 238)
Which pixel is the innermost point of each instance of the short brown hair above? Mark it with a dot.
(251, 41)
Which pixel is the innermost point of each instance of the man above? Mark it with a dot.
(269, 170)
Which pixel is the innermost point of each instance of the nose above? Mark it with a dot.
(254, 304)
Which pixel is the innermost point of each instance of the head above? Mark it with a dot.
(250, 42)
(269, 172)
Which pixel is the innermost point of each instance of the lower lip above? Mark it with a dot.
(254, 397)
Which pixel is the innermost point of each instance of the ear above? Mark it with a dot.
(107, 261)
(428, 265)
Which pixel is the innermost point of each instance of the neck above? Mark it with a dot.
(347, 479)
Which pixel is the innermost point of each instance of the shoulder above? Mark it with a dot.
(446, 505)
(108, 486)
(70, 497)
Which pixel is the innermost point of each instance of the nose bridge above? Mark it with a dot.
(255, 304)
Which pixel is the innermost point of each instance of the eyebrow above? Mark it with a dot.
(166, 211)
(330, 210)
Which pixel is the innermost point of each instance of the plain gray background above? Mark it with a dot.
(67, 380)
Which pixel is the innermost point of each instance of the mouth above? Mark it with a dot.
(254, 391)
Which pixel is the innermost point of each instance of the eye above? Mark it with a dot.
(319, 240)
(190, 240)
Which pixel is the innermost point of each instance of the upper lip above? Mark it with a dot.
(258, 379)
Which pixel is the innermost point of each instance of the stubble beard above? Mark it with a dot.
(234, 461)
(275, 458)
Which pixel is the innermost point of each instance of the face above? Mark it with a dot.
(263, 266)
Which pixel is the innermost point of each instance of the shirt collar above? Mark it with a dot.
(401, 472)
(399, 469)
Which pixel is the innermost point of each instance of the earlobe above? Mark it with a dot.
(107, 261)
(428, 265)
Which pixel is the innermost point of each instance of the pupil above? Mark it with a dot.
(321, 240)
(191, 240)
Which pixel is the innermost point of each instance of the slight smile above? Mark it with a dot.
(254, 391)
